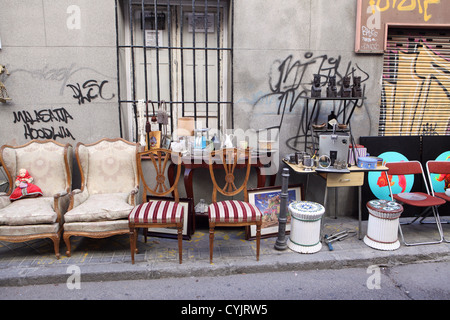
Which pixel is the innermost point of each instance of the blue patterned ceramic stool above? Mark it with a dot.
(306, 219)
(382, 226)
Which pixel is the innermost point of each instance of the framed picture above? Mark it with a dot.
(268, 201)
(153, 140)
(187, 221)
(165, 143)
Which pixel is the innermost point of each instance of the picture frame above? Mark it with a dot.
(188, 220)
(165, 142)
(153, 140)
(267, 200)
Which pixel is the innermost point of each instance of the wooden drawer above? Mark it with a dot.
(345, 179)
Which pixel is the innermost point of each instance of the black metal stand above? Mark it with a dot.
(281, 243)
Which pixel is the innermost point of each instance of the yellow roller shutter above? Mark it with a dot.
(416, 83)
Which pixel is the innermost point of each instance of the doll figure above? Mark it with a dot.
(24, 186)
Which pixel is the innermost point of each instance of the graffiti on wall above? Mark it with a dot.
(416, 92)
(290, 81)
(417, 6)
(88, 91)
(375, 17)
(44, 116)
(60, 78)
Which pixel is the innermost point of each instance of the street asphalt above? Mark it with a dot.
(109, 259)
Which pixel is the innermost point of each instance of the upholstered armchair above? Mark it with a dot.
(50, 165)
(109, 186)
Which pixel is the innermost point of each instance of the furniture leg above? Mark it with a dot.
(261, 179)
(132, 244)
(211, 243)
(325, 206)
(258, 240)
(359, 212)
(335, 202)
(180, 242)
(56, 245)
(188, 174)
(67, 242)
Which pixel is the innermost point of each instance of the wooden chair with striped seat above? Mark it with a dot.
(232, 212)
(157, 213)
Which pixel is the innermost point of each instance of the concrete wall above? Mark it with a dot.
(61, 56)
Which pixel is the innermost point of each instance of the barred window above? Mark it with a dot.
(177, 52)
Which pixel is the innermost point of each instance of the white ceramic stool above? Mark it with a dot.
(382, 227)
(306, 219)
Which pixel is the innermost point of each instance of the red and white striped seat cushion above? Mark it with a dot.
(233, 211)
(157, 212)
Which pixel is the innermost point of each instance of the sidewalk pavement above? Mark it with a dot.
(109, 259)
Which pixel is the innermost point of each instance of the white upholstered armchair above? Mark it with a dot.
(109, 186)
(50, 165)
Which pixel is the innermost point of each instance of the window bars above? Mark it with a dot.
(175, 51)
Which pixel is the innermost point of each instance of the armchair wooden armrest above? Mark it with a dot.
(132, 196)
(61, 202)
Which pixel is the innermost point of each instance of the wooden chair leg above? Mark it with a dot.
(67, 242)
(132, 243)
(180, 242)
(258, 240)
(56, 240)
(211, 242)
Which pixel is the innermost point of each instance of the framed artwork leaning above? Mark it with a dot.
(268, 200)
(187, 220)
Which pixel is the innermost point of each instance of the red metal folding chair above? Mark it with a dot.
(439, 170)
(415, 199)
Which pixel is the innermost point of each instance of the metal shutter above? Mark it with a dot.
(416, 83)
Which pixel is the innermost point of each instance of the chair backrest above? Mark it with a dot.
(47, 161)
(230, 159)
(108, 166)
(440, 168)
(404, 167)
(160, 157)
(413, 167)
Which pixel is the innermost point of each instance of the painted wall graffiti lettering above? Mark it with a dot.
(89, 91)
(57, 74)
(290, 80)
(420, 6)
(380, 15)
(416, 92)
(44, 116)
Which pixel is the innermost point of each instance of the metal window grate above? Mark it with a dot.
(176, 51)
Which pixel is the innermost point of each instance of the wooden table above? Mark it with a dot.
(354, 178)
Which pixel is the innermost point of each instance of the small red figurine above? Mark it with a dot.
(24, 187)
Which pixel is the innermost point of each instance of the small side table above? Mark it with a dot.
(306, 217)
(382, 227)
